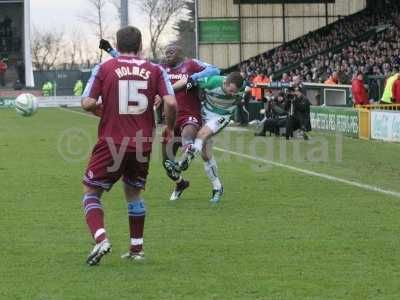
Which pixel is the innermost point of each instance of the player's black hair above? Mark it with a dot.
(235, 78)
(129, 39)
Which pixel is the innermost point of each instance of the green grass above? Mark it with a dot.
(276, 234)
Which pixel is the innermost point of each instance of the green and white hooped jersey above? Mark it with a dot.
(218, 107)
(215, 99)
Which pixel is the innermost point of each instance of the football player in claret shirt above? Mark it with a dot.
(127, 86)
(187, 72)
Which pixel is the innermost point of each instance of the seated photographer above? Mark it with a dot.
(243, 105)
(276, 114)
(299, 113)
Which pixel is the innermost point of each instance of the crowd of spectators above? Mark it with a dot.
(378, 55)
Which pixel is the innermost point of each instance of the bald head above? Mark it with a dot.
(173, 54)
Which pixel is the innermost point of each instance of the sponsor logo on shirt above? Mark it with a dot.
(177, 76)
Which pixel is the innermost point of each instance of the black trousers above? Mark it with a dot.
(293, 123)
(273, 125)
(243, 114)
(243, 110)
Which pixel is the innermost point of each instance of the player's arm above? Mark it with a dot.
(206, 83)
(106, 46)
(207, 71)
(204, 70)
(179, 85)
(209, 83)
(92, 92)
(90, 82)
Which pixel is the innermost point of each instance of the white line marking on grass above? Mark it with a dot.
(79, 113)
(316, 174)
(289, 167)
(236, 129)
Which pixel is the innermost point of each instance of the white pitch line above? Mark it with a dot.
(289, 167)
(316, 174)
(79, 113)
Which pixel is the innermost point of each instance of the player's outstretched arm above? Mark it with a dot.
(106, 46)
(189, 83)
(209, 83)
(203, 83)
(209, 70)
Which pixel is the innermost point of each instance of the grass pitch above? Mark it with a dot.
(277, 234)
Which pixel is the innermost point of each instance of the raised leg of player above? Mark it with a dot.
(136, 217)
(95, 220)
(203, 135)
(214, 124)
(189, 133)
(211, 169)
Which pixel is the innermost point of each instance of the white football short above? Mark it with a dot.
(214, 121)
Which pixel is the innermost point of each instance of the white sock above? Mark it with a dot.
(211, 169)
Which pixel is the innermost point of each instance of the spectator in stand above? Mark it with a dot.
(285, 78)
(261, 78)
(327, 37)
(360, 94)
(3, 69)
(396, 90)
(333, 79)
(377, 55)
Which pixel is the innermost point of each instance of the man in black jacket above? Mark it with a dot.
(299, 114)
(276, 113)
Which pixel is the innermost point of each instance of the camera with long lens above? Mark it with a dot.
(289, 94)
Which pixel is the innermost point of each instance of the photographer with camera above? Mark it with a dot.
(276, 113)
(243, 105)
(298, 114)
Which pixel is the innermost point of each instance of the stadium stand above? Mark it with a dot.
(367, 41)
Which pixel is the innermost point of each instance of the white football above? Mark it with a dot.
(26, 105)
